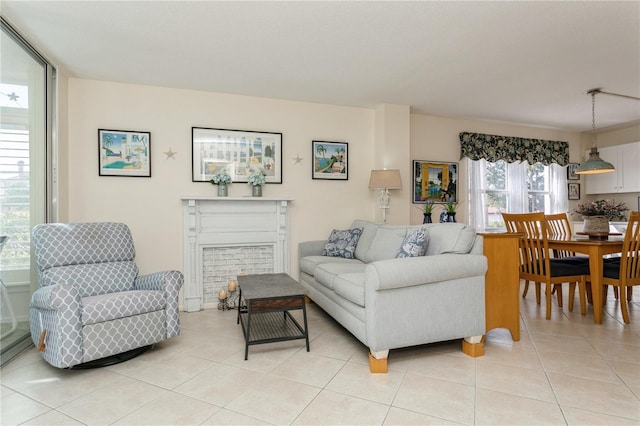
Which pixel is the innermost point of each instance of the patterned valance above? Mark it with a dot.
(511, 149)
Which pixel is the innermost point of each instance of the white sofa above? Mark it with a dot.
(388, 302)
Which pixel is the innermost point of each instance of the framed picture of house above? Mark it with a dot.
(571, 171)
(435, 182)
(124, 153)
(574, 191)
(330, 160)
(238, 152)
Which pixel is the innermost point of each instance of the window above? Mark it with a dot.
(518, 187)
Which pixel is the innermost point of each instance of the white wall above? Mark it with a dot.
(437, 139)
(152, 206)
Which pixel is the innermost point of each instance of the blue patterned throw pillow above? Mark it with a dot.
(414, 244)
(342, 243)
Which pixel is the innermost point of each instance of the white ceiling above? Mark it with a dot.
(520, 62)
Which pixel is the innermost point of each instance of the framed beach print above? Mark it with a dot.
(571, 171)
(330, 160)
(124, 153)
(435, 182)
(574, 191)
(238, 152)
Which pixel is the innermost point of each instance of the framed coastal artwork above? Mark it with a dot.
(330, 160)
(238, 152)
(124, 153)
(435, 182)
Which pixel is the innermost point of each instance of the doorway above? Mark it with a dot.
(26, 110)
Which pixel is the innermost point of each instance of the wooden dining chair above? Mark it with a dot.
(559, 228)
(535, 262)
(625, 274)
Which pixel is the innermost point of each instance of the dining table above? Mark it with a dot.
(596, 249)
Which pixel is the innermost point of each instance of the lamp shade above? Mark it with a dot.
(594, 165)
(385, 179)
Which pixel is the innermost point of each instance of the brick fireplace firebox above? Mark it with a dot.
(227, 236)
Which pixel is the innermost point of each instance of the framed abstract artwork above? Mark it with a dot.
(238, 152)
(124, 153)
(435, 182)
(330, 160)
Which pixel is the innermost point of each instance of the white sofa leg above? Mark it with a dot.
(378, 361)
(473, 346)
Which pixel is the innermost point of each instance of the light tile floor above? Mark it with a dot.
(564, 371)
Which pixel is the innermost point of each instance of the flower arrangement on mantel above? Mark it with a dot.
(256, 179)
(221, 178)
(607, 208)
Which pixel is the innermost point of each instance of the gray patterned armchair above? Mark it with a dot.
(91, 301)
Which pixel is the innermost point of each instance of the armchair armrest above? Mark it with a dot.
(170, 282)
(311, 248)
(58, 297)
(57, 309)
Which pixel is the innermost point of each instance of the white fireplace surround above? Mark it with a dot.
(244, 223)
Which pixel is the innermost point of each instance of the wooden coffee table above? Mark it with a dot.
(264, 304)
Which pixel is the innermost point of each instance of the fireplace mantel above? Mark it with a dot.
(227, 236)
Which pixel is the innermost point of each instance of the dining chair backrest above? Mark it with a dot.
(558, 228)
(534, 244)
(558, 225)
(630, 261)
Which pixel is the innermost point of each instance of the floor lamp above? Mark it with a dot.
(384, 180)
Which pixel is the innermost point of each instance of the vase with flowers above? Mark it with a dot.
(256, 179)
(222, 179)
(597, 214)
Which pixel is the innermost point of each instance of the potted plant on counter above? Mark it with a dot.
(450, 209)
(427, 211)
(597, 214)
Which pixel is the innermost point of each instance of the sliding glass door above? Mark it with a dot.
(26, 91)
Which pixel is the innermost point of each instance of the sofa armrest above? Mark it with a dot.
(405, 272)
(170, 282)
(478, 245)
(311, 248)
(426, 299)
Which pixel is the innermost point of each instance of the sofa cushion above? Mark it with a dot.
(368, 233)
(351, 287)
(342, 243)
(449, 238)
(326, 273)
(308, 264)
(107, 307)
(386, 243)
(414, 244)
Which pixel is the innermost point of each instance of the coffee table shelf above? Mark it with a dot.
(265, 302)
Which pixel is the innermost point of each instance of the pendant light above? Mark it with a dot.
(594, 164)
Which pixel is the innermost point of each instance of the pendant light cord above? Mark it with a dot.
(593, 119)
